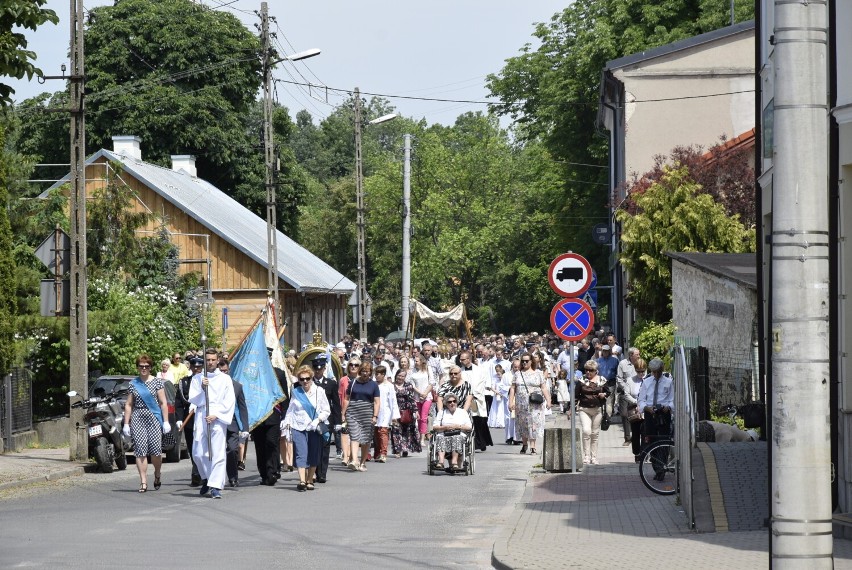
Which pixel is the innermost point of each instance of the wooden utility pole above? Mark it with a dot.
(79, 361)
(268, 163)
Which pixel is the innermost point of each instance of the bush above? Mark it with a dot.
(654, 340)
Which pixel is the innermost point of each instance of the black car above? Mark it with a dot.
(110, 383)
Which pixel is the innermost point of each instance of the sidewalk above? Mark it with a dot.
(604, 517)
(35, 465)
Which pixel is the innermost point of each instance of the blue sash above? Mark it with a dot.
(147, 398)
(303, 399)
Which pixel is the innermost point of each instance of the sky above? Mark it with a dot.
(441, 49)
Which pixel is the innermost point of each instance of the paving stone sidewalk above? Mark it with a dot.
(604, 517)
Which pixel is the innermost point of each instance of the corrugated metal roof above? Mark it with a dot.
(234, 223)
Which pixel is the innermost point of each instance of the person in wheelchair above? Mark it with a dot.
(452, 427)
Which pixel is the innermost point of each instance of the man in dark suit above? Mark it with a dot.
(237, 430)
(196, 365)
(267, 439)
(330, 387)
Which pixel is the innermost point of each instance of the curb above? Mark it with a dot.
(53, 476)
(500, 550)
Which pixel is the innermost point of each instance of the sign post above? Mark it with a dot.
(570, 275)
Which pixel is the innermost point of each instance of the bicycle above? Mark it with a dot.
(658, 465)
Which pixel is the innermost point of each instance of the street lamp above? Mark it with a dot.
(268, 160)
(361, 290)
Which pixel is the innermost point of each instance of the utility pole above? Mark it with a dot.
(800, 494)
(78, 322)
(361, 292)
(268, 163)
(406, 233)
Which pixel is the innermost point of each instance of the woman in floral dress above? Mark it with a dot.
(529, 418)
(405, 437)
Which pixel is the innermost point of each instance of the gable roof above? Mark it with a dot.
(232, 222)
(680, 45)
(738, 267)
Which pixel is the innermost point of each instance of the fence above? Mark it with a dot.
(684, 425)
(16, 403)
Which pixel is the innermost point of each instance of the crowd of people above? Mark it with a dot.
(389, 400)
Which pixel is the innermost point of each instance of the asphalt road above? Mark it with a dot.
(393, 516)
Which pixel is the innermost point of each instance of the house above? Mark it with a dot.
(228, 245)
(690, 92)
(714, 305)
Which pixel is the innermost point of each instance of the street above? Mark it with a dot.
(392, 516)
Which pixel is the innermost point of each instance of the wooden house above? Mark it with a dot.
(228, 245)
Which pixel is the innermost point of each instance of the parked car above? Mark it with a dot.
(111, 382)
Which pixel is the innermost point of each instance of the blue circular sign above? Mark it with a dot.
(572, 319)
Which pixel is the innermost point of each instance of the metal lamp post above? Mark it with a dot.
(268, 154)
(361, 290)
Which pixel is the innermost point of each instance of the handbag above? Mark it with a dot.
(406, 417)
(169, 441)
(604, 420)
(451, 432)
(322, 427)
(536, 398)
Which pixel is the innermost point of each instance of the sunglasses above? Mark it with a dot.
(143, 366)
(304, 379)
(455, 373)
(353, 366)
(525, 361)
(451, 402)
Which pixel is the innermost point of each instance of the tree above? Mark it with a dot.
(7, 269)
(724, 173)
(15, 59)
(552, 92)
(672, 215)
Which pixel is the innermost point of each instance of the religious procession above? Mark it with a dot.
(443, 400)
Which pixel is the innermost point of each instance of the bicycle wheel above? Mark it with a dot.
(657, 467)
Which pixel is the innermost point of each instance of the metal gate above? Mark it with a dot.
(16, 404)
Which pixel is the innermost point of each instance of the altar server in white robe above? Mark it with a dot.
(220, 390)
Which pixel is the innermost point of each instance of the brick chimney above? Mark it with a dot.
(127, 145)
(185, 162)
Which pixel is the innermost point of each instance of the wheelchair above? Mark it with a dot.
(467, 456)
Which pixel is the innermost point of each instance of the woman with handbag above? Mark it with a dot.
(529, 397)
(634, 414)
(308, 409)
(405, 436)
(591, 394)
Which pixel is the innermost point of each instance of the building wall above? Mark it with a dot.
(661, 112)
(692, 289)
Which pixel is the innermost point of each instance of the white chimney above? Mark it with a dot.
(185, 162)
(127, 145)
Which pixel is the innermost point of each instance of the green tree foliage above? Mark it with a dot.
(552, 91)
(482, 219)
(15, 59)
(654, 340)
(672, 216)
(7, 268)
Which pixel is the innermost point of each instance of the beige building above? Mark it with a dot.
(691, 92)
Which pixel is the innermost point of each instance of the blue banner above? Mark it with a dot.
(251, 367)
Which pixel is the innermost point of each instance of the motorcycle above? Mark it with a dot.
(103, 419)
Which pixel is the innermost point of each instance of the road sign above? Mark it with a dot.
(601, 234)
(591, 297)
(569, 275)
(572, 319)
(56, 248)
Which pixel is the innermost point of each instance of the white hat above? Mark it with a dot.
(340, 345)
(616, 350)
